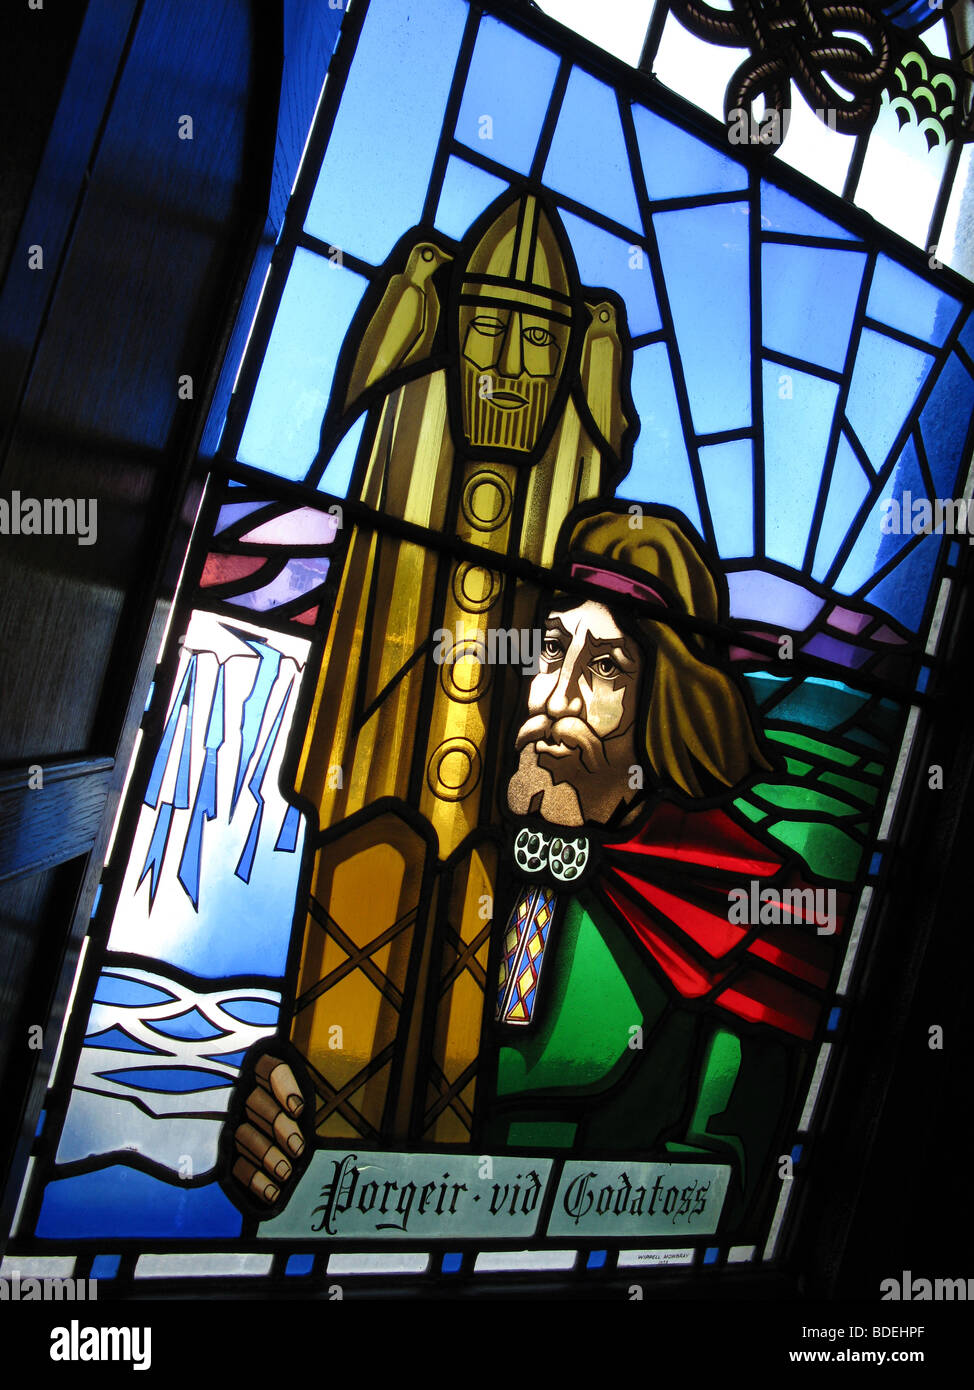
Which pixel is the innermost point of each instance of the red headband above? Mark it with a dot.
(618, 583)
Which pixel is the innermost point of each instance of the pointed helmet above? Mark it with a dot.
(515, 312)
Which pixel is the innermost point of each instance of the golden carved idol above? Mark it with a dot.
(497, 396)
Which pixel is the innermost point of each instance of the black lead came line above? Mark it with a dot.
(550, 581)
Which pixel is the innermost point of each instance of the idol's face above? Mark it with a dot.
(511, 362)
(577, 746)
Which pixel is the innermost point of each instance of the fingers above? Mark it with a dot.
(265, 1114)
(255, 1181)
(258, 1148)
(278, 1078)
(269, 1140)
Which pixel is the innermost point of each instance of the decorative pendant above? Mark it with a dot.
(564, 860)
(525, 938)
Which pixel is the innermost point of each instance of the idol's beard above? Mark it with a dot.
(486, 424)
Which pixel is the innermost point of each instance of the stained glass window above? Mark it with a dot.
(873, 103)
(523, 763)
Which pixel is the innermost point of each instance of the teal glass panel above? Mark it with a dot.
(822, 704)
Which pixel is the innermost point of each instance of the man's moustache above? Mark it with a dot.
(538, 726)
(569, 730)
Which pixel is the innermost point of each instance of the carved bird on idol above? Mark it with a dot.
(600, 371)
(403, 327)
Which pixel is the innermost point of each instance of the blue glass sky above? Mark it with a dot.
(687, 275)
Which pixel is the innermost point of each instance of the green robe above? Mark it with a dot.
(614, 1065)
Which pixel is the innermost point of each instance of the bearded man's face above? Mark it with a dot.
(578, 746)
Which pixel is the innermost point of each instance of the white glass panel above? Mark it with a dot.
(498, 1261)
(906, 747)
(779, 1216)
(936, 39)
(697, 70)
(818, 1076)
(853, 947)
(70, 1008)
(25, 1187)
(813, 148)
(956, 245)
(938, 617)
(37, 1266)
(616, 25)
(379, 1262)
(199, 1265)
(900, 177)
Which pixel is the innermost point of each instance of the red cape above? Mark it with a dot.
(670, 884)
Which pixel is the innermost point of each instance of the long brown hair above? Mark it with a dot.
(697, 715)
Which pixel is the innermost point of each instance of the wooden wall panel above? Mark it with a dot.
(148, 240)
